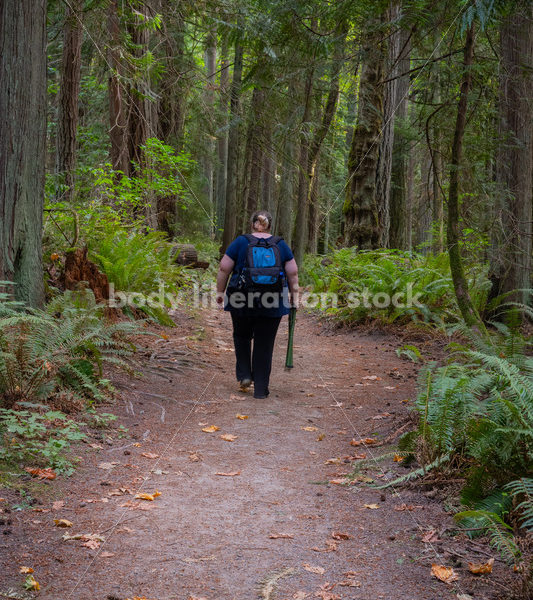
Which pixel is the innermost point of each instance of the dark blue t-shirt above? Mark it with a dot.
(237, 252)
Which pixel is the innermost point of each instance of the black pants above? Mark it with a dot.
(256, 364)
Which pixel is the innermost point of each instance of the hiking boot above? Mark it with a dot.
(262, 396)
(245, 384)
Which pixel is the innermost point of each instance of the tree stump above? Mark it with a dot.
(79, 268)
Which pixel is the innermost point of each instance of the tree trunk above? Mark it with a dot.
(233, 150)
(286, 190)
(22, 145)
(400, 152)
(511, 259)
(210, 59)
(222, 140)
(464, 302)
(117, 104)
(390, 102)
(302, 208)
(360, 208)
(67, 118)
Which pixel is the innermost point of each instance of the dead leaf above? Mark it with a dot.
(339, 481)
(228, 437)
(320, 437)
(371, 378)
(409, 507)
(277, 536)
(350, 582)
(481, 568)
(150, 497)
(235, 397)
(361, 456)
(315, 570)
(195, 456)
(341, 536)
(25, 570)
(106, 554)
(150, 455)
(430, 536)
(372, 506)
(92, 544)
(445, 574)
(325, 592)
(107, 466)
(137, 444)
(382, 416)
(210, 429)
(31, 584)
(41, 473)
(331, 546)
(398, 458)
(365, 442)
(62, 523)
(333, 461)
(96, 446)
(58, 504)
(230, 474)
(242, 417)
(310, 428)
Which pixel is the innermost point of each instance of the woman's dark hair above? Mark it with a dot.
(263, 218)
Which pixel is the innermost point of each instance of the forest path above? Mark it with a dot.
(211, 536)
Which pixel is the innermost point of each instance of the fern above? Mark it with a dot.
(523, 489)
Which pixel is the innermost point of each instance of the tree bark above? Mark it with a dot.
(117, 104)
(22, 145)
(360, 208)
(67, 118)
(460, 285)
(511, 256)
(222, 139)
(233, 150)
(210, 60)
(398, 192)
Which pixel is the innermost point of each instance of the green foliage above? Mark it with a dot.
(410, 352)
(392, 272)
(43, 439)
(522, 490)
(63, 348)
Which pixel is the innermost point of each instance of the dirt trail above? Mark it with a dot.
(208, 535)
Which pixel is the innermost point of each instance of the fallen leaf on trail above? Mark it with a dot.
(316, 570)
(372, 506)
(106, 466)
(150, 455)
(363, 479)
(235, 397)
(389, 387)
(320, 437)
(325, 592)
(310, 428)
(92, 544)
(119, 492)
(402, 507)
(58, 504)
(83, 536)
(230, 474)
(228, 437)
(430, 536)
(445, 574)
(331, 546)
(25, 570)
(137, 444)
(371, 378)
(41, 473)
(210, 429)
(299, 595)
(398, 458)
(62, 523)
(341, 536)
(150, 497)
(242, 417)
(366, 442)
(96, 446)
(481, 568)
(31, 583)
(361, 456)
(349, 582)
(333, 461)
(382, 416)
(195, 457)
(200, 559)
(277, 536)
(106, 554)
(339, 481)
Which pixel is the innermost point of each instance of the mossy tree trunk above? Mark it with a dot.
(22, 145)
(460, 285)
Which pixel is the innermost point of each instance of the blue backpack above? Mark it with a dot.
(263, 270)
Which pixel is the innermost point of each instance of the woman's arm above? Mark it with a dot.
(224, 271)
(291, 269)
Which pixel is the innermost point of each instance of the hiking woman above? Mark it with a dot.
(262, 288)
